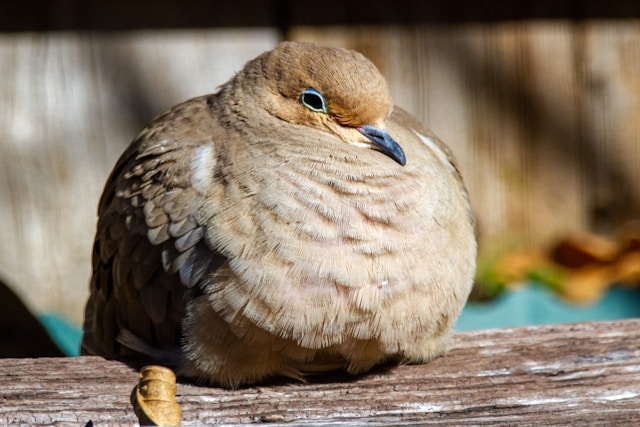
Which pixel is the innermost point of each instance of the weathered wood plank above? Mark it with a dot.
(568, 374)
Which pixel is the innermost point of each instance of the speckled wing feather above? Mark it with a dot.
(149, 253)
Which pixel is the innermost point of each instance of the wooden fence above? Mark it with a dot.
(543, 114)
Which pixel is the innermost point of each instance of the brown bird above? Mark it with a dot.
(292, 223)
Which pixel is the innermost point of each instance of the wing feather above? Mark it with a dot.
(150, 252)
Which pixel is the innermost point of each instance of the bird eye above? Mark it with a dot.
(313, 100)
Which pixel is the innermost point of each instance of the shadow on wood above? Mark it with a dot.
(58, 15)
(21, 334)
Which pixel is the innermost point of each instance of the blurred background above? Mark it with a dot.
(539, 101)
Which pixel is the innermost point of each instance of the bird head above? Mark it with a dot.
(332, 89)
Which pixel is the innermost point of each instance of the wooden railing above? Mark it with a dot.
(567, 374)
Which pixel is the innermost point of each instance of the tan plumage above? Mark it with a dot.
(272, 229)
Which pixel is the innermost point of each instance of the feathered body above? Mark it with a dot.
(248, 234)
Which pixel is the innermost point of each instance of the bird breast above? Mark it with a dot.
(320, 239)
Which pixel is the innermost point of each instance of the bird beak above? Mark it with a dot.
(384, 142)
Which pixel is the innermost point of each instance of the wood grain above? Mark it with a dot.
(566, 374)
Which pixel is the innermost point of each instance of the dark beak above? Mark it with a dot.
(383, 142)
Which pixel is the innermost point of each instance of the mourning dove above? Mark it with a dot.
(292, 223)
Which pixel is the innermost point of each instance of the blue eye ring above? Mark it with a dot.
(313, 100)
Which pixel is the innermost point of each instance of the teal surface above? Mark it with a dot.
(531, 305)
(63, 333)
(535, 305)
